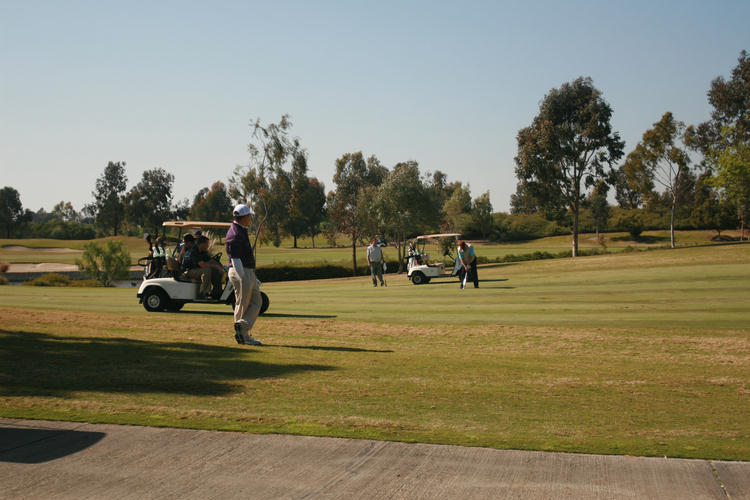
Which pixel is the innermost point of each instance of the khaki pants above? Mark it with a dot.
(247, 299)
(207, 276)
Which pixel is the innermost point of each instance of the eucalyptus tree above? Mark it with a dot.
(149, 202)
(662, 158)
(567, 147)
(354, 175)
(108, 207)
(724, 140)
(403, 205)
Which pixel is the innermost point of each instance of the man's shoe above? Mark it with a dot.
(238, 333)
(252, 341)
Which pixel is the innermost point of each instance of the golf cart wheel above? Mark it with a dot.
(155, 300)
(264, 304)
(418, 278)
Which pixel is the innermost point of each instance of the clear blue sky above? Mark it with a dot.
(449, 84)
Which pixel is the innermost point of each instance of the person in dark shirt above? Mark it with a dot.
(241, 273)
(199, 267)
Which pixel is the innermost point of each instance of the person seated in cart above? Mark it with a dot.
(199, 267)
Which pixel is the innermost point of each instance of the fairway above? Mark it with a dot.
(643, 353)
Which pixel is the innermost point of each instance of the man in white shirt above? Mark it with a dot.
(375, 260)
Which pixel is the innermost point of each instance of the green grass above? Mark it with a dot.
(641, 354)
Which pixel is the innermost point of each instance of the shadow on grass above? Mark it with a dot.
(329, 348)
(644, 238)
(264, 315)
(41, 364)
(306, 316)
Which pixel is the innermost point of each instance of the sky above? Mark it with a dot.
(176, 84)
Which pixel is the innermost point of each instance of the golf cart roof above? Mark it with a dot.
(439, 235)
(196, 224)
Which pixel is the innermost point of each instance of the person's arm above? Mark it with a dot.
(238, 267)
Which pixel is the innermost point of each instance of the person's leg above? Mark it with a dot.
(379, 272)
(198, 275)
(372, 274)
(205, 273)
(241, 302)
(255, 303)
(216, 287)
(474, 274)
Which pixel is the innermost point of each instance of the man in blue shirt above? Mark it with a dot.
(247, 299)
(468, 263)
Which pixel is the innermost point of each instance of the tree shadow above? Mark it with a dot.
(644, 238)
(329, 348)
(39, 364)
(34, 446)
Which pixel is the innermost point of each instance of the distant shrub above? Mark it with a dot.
(3, 280)
(4, 266)
(51, 279)
(521, 227)
(105, 263)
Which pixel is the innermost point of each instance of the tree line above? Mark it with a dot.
(568, 162)
(687, 176)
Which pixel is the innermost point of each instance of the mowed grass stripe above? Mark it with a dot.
(557, 362)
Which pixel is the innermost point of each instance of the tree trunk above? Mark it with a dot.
(354, 255)
(295, 240)
(400, 257)
(313, 240)
(575, 228)
(671, 224)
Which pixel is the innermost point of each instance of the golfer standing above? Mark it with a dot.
(468, 262)
(375, 261)
(247, 300)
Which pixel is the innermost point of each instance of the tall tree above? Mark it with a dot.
(149, 202)
(402, 205)
(599, 205)
(11, 209)
(213, 205)
(108, 207)
(725, 138)
(457, 209)
(313, 207)
(264, 184)
(569, 143)
(481, 214)
(353, 175)
(663, 158)
(65, 212)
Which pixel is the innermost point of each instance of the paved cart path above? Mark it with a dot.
(61, 460)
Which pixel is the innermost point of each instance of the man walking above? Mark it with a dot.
(375, 260)
(247, 300)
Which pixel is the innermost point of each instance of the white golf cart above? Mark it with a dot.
(171, 293)
(421, 270)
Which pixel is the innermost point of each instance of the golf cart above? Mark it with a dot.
(174, 291)
(419, 268)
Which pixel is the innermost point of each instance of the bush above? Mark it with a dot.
(61, 230)
(105, 263)
(3, 280)
(521, 227)
(51, 279)
(4, 266)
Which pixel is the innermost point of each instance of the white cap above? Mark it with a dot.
(242, 210)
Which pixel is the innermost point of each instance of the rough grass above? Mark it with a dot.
(56, 251)
(642, 354)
